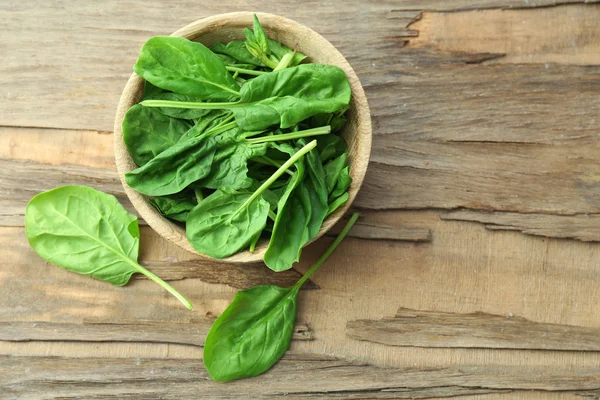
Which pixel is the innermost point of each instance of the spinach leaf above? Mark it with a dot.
(182, 113)
(230, 163)
(288, 96)
(210, 123)
(237, 50)
(186, 67)
(226, 221)
(176, 206)
(285, 97)
(337, 203)
(333, 170)
(343, 183)
(175, 168)
(269, 52)
(280, 51)
(147, 132)
(300, 214)
(331, 146)
(86, 231)
(256, 329)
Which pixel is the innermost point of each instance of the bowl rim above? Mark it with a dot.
(132, 91)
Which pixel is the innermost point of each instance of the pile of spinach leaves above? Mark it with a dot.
(239, 142)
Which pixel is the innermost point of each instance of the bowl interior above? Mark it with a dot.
(227, 27)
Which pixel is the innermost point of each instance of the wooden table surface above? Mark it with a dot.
(475, 272)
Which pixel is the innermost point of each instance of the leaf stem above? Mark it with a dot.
(162, 284)
(280, 171)
(245, 71)
(192, 105)
(322, 130)
(221, 128)
(328, 252)
(268, 161)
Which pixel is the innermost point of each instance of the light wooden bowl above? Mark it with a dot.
(226, 27)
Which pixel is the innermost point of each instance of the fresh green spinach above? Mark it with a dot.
(86, 231)
(226, 221)
(255, 331)
(185, 67)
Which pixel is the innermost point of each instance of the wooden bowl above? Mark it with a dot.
(224, 28)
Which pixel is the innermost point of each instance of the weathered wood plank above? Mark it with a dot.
(44, 80)
(366, 230)
(421, 328)
(295, 376)
(436, 153)
(191, 333)
(585, 227)
(524, 35)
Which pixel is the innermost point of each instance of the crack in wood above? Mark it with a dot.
(420, 328)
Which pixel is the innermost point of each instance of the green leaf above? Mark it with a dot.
(176, 206)
(225, 222)
(343, 183)
(230, 164)
(147, 132)
(300, 214)
(175, 168)
(88, 232)
(331, 146)
(255, 331)
(285, 97)
(280, 51)
(181, 113)
(186, 67)
(333, 170)
(337, 203)
(291, 95)
(260, 37)
(210, 122)
(252, 334)
(237, 50)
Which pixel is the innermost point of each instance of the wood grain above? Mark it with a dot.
(524, 36)
(585, 227)
(295, 376)
(422, 328)
(192, 333)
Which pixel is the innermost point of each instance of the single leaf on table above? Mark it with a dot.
(175, 168)
(255, 331)
(226, 221)
(147, 132)
(186, 67)
(176, 206)
(86, 231)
